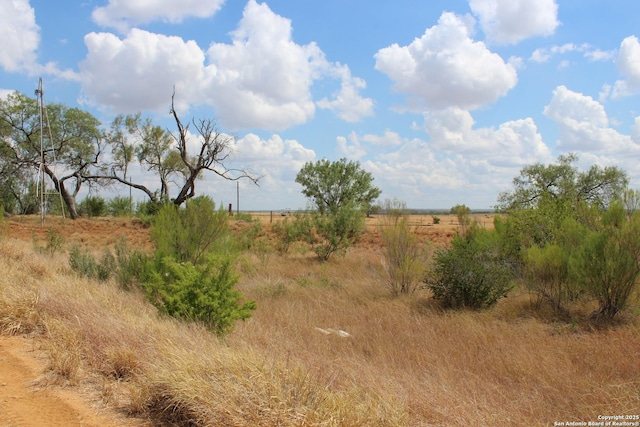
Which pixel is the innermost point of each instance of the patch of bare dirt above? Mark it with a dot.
(94, 232)
(24, 403)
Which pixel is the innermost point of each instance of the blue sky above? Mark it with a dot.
(442, 101)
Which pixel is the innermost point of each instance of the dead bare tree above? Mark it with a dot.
(213, 154)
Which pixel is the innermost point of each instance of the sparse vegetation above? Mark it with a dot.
(405, 259)
(463, 213)
(278, 369)
(291, 230)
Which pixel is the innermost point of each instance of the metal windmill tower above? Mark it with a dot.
(41, 182)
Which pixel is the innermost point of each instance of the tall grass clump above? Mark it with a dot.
(405, 259)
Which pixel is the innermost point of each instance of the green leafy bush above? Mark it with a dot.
(291, 230)
(187, 234)
(607, 264)
(146, 211)
(82, 261)
(54, 242)
(471, 273)
(334, 233)
(93, 206)
(202, 293)
(120, 206)
(463, 212)
(129, 265)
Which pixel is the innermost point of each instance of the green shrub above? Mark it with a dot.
(470, 274)
(546, 272)
(335, 232)
(607, 263)
(93, 206)
(55, 241)
(249, 237)
(243, 216)
(202, 293)
(147, 210)
(129, 265)
(187, 234)
(289, 231)
(463, 212)
(436, 219)
(82, 261)
(120, 206)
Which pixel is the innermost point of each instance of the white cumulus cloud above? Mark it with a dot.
(510, 21)
(447, 68)
(264, 78)
(20, 35)
(140, 71)
(584, 125)
(125, 14)
(347, 103)
(629, 66)
(513, 144)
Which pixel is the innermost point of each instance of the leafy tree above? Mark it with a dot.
(545, 195)
(631, 201)
(332, 185)
(73, 140)
(93, 206)
(573, 233)
(341, 192)
(131, 137)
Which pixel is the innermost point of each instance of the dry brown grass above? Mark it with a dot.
(404, 363)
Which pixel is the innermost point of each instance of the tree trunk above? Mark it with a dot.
(69, 201)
